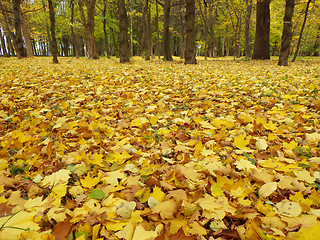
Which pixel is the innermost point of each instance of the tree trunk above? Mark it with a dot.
(92, 48)
(301, 31)
(3, 45)
(316, 44)
(106, 44)
(75, 44)
(286, 33)
(20, 50)
(190, 57)
(157, 29)
(146, 26)
(148, 35)
(166, 31)
(182, 30)
(53, 42)
(247, 29)
(27, 38)
(262, 40)
(124, 48)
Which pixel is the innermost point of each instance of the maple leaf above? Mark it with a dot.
(241, 142)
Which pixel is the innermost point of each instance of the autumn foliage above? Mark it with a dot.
(153, 150)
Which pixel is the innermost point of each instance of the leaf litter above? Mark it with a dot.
(155, 150)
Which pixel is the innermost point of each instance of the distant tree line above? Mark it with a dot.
(160, 28)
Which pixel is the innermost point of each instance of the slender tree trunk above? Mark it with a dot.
(190, 57)
(316, 44)
(148, 33)
(286, 33)
(262, 40)
(124, 48)
(182, 30)
(247, 29)
(145, 34)
(301, 31)
(3, 45)
(92, 48)
(157, 29)
(106, 44)
(53, 43)
(27, 38)
(20, 50)
(166, 31)
(73, 36)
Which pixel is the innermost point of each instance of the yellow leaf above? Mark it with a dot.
(304, 175)
(287, 208)
(141, 234)
(153, 120)
(95, 231)
(176, 224)
(112, 177)
(166, 209)
(261, 144)
(139, 122)
(290, 146)
(115, 225)
(197, 150)
(22, 220)
(57, 214)
(267, 189)
(158, 194)
(241, 142)
(126, 233)
(89, 182)
(135, 217)
(62, 176)
(143, 195)
(195, 229)
(311, 233)
(3, 164)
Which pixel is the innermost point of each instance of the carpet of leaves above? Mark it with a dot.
(152, 150)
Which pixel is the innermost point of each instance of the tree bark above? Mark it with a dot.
(145, 34)
(157, 29)
(53, 41)
(286, 33)
(262, 40)
(301, 31)
(247, 29)
(27, 38)
(20, 50)
(3, 45)
(92, 48)
(182, 30)
(316, 44)
(166, 31)
(106, 44)
(190, 57)
(124, 48)
(75, 44)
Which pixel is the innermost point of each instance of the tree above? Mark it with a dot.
(53, 41)
(18, 41)
(88, 24)
(286, 33)
(166, 31)
(106, 44)
(301, 31)
(247, 29)
(124, 48)
(261, 48)
(73, 35)
(190, 35)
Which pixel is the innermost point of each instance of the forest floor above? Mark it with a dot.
(152, 150)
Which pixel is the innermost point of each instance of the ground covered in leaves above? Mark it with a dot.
(100, 150)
